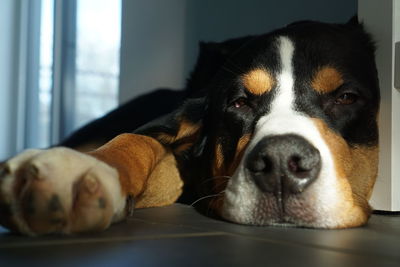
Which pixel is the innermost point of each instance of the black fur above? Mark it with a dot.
(215, 85)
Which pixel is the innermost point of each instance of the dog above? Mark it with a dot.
(283, 132)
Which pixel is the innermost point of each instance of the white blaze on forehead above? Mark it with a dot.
(285, 97)
(243, 200)
(282, 106)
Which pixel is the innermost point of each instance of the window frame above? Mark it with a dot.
(23, 104)
(21, 131)
(64, 56)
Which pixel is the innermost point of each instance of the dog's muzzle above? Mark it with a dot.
(283, 164)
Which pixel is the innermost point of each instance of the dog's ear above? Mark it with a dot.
(353, 21)
(357, 28)
(212, 56)
(208, 49)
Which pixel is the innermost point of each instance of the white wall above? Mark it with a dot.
(8, 67)
(382, 19)
(151, 45)
(159, 38)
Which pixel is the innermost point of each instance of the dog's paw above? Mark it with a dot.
(58, 191)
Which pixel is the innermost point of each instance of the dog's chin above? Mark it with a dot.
(262, 217)
(270, 222)
(279, 223)
(245, 204)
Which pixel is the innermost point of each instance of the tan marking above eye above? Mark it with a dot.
(258, 81)
(326, 80)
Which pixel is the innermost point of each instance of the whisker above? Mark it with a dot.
(234, 65)
(205, 197)
(213, 201)
(215, 186)
(216, 178)
(230, 70)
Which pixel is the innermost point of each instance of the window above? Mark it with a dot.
(97, 58)
(79, 67)
(45, 73)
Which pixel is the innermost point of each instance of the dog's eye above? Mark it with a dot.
(346, 99)
(240, 102)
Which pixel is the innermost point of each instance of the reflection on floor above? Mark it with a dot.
(178, 236)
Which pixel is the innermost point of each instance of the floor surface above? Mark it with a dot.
(178, 236)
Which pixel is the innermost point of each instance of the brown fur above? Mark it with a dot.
(222, 168)
(326, 80)
(134, 156)
(240, 148)
(258, 81)
(147, 171)
(356, 168)
(218, 166)
(164, 185)
(86, 147)
(186, 130)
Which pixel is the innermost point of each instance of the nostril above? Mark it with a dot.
(259, 164)
(295, 167)
(302, 169)
(293, 163)
(256, 165)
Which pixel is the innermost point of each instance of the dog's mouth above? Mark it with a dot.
(269, 209)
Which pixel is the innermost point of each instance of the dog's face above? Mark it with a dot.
(294, 115)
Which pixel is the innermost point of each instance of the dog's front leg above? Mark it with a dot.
(60, 190)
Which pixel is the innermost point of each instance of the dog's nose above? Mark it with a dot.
(283, 164)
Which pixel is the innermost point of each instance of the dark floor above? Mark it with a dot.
(179, 236)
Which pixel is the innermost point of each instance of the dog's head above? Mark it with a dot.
(294, 125)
